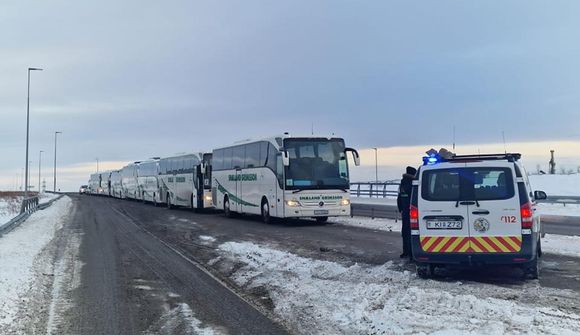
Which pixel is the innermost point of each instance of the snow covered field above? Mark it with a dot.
(10, 204)
(366, 222)
(559, 209)
(557, 184)
(19, 250)
(322, 297)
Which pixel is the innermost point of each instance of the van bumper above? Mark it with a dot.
(527, 254)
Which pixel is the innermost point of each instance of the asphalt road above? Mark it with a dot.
(553, 224)
(141, 261)
(131, 279)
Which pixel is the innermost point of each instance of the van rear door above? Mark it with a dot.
(443, 216)
(495, 223)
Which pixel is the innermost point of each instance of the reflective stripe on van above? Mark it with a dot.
(485, 244)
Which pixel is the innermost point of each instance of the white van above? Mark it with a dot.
(474, 210)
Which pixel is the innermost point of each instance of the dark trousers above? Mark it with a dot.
(406, 233)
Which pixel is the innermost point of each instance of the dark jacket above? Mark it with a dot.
(404, 198)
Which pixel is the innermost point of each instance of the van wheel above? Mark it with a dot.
(169, 205)
(425, 271)
(227, 210)
(321, 219)
(532, 270)
(266, 218)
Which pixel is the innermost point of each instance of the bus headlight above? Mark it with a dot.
(208, 198)
(292, 203)
(344, 202)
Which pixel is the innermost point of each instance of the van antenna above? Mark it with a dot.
(453, 138)
(504, 146)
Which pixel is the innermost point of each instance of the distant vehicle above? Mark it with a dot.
(105, 183)
(94, 184)
(129, 182)
(83, 189)
(185, 180)
(284, 177)
(116, 188)
(474, 210)
(148, 186)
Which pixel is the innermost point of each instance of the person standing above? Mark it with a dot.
(403, 203)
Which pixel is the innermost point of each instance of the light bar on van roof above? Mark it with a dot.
(434, 159)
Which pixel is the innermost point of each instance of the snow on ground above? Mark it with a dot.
(563, 245)
(18, 251)
(557, 184)
(181, 320)
(559, 209)
(368, 223)
(389, 201)
(207, 238)
(321, 297)
(10, 204)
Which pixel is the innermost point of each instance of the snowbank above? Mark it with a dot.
(19, 249)
(368, 223)
(374, 201)
(328, 298)
(559, 209)
(557, 184)
(563, 245)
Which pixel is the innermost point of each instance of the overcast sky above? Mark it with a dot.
(126, 80)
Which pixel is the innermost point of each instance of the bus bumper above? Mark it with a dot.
(296, 212)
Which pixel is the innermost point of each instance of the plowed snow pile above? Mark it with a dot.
(321, 297)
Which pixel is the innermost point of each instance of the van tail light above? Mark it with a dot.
(414, 214)
(527, 216)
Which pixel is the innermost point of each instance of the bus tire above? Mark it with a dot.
(169, 205)
(227, 210)
(265, 209)
(154, 201)
(143, 197)
(321, 219)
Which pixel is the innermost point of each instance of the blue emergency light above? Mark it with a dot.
(430, 160)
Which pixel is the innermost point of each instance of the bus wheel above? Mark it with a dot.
(169, 205)
(321, 219)
(143, 197)
(227, 210)
(266, 218)
(154, 201)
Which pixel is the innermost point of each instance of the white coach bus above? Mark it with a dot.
(105, 183)
(283, 177)
(186, 181)
(148, 181)
(94, 183)
(129, 181)
(116, 189)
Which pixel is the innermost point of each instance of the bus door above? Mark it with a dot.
(197, 186)
(237, 203)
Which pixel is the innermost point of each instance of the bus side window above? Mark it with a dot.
(263, 153)
(271, 160)
(280, 170)
(228, 152)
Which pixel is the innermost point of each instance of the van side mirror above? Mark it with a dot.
(285, 158)
(540, 195)
(355, 155)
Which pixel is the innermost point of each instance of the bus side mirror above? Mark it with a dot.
(540, 195)
(355, 155)
(285, 158)
(202, 168)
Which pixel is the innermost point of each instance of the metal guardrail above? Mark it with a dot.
(29, 204)
(30, 207)
(373, 189)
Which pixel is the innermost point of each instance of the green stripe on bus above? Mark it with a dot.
(233, 197)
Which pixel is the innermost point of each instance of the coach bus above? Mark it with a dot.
(116, 189)
(129, 181)
(283, 177)
(105, 183)
(186, 181)
(94, 183)
(148, 181)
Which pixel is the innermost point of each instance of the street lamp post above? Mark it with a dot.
(97, 164)
(39, 166)
(376, 165)
(28, 130)
(54, 181)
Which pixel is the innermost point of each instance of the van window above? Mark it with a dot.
(441, 185)
(492, 183)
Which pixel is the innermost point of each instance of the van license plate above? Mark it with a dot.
(432, 224)
(321, 212)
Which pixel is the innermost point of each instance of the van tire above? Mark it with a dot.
(532, 270)
(265, 210)
(425, 271)
(227, 209)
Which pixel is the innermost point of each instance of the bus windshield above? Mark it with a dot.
(316, 163)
